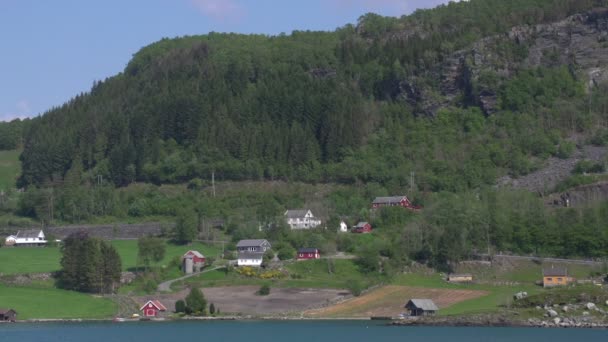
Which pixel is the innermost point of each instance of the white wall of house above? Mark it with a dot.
(249, 262)
(14, 240)
(306, 222)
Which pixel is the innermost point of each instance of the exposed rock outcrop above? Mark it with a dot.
(580, 41)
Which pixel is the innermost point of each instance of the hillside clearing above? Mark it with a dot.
(10, 168)
(243, 299)
(47, 259)
(389, 301)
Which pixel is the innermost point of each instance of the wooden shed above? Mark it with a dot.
(460, 278)
(421, 307)
(8, 315)
(556, 276)
(152, 308)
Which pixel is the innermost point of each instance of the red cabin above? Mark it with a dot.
(308, 253)
(394, 201)
(152, 308)
(362, 227)
(196, 256)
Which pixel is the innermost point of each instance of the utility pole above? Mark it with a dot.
(412, 175)
(213, 182)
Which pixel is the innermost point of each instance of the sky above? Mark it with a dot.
(52, 50)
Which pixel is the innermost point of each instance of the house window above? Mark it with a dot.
(560, 279)
(549, 279)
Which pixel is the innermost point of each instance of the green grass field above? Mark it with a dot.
(46, 259)
(48, 302)
(307, 274)
(10, 167)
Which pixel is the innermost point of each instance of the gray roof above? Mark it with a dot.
(390, 199)
(296, 213)
(28, 233)
(249, 255)
(4, 311)
(424, 304)
(555, 272)
(360, 224)
(252, 243)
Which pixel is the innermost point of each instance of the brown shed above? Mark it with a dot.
(8, 315)
(421, 307)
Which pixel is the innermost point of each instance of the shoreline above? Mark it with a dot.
(447, 321)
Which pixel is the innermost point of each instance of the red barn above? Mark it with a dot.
(394, 201)
(308, 253)
(152, 308)
(362, 227)
(196, 256)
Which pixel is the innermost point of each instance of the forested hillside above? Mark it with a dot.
(313, 106)
(438, 104)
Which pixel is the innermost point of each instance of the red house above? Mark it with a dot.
(152, 308)
(362, 227)
(394, 201)
(308, 253)
(196, 256)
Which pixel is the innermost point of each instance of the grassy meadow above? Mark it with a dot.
(48, 302)
(10, 167)
(46, 259)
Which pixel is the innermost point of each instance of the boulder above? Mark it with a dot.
(556, 320)
(552, 313)
(585, 313)
(520, 295)
(590, 306)
(565, 308)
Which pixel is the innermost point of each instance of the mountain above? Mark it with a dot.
(460, 95)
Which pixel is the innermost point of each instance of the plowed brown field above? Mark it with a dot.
(389, 301)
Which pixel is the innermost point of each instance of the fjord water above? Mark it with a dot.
(292, 331)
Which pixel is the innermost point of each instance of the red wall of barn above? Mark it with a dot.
(196, 259)
(150, 311)
(306, 256)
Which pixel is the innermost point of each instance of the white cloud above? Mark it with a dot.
(221, 10)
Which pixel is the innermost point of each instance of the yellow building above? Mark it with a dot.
(556, 276)
(460, 278)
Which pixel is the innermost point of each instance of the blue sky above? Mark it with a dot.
(51, 50)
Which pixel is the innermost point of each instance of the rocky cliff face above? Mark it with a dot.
(580, 41)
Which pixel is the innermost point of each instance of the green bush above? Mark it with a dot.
(588, 166)
(264, 290)
(355, 287)
(180, 306)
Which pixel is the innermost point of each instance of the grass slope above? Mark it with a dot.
(302, 274)
(48, 302)
(38, 260)
(10, 167)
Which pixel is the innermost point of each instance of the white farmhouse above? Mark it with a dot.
(30, 237)
(301, 219)
(250, 259)
(343, 227)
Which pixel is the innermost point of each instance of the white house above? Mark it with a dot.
(250, 259)
(343, 227)
(30, 237)
(301, 219)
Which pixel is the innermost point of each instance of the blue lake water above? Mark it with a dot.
(292, 331)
